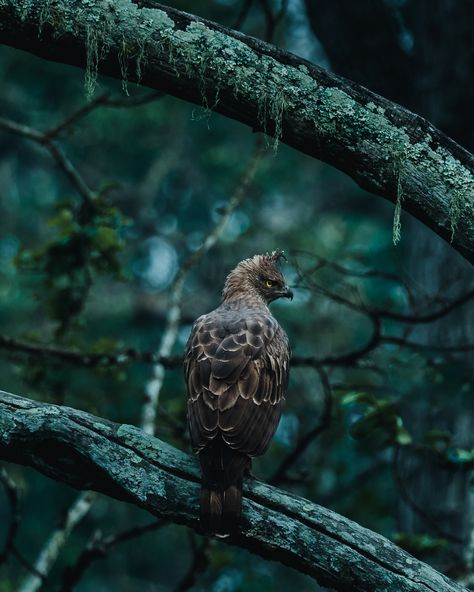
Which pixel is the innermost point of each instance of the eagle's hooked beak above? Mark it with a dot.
(288, 293)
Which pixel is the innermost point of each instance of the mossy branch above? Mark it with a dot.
(270, 90)
(123, 462)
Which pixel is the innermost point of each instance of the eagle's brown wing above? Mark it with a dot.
(237, 374)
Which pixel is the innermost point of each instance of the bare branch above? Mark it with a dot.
(323, 424)
(272, 19)
(102, 100)
(198, 564)
(61, 159)
(87, 359)
(12, 495)
(98, 548)
(403, 491)
(418, 319)
(54, 545)
(465, 347)
(347, 359)
(244, 11)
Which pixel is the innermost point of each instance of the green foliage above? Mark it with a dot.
(378, 421)
(419, 545)
(87, 244)
(459, 456)
(438, 440)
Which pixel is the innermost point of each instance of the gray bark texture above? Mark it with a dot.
(123, 462)
(382, 146)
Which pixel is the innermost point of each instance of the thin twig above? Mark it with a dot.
(341, 269)
(131, 355)
(103, 100)
(303, 443)
(198, 564)
(98, 548)
(25, 563)
(464, 347)
(427, 518)
(61, 159)
(55, 543)
(429, 317)
(87, 359)
(419, 318)
(244, 11)
(12, 495)
(272, 19)
(347, 359)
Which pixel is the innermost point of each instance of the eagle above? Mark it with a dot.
(236, 370)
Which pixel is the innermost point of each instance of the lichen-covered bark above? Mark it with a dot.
(385, 148)
(123, 462)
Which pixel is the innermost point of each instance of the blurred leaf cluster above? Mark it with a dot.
(378, 422)
(87, 244)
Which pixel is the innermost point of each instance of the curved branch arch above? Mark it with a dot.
(386, 149)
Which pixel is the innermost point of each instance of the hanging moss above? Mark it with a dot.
(92, 61)
(282, 95)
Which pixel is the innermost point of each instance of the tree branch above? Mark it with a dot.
(123, 462)
(382, 146)
(103, 100)
(98, 548)
(56, 541)
(61, 159)
(11, 493)
(305, 440)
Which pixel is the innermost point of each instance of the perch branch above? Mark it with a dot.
(123, 462)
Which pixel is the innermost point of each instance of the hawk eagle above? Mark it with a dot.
(236, 369)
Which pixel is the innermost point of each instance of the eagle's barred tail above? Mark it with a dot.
(223, 470)
(211, 510)
(232, 508)
(221, 510)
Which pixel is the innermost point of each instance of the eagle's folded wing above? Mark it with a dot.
(237, 373)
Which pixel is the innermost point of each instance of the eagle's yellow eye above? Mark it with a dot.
(269, 283)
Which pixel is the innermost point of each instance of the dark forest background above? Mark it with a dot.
(378, 424)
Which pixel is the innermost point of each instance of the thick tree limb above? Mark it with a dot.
(383, 147)
(123, 462)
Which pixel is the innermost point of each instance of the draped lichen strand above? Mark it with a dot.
(92, 61)
(397, 214)
(400, 156)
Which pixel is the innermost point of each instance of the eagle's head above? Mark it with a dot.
(258, 277)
